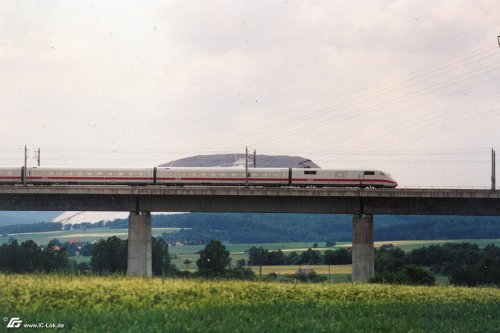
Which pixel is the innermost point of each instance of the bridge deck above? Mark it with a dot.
(252, 199)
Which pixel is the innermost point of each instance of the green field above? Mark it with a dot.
(81, 235)
(123, 304)
(236, 249)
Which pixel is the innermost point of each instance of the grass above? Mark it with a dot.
(292, 269)
(81, 235)
(117, 304)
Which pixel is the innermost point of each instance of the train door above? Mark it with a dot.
(367, 178)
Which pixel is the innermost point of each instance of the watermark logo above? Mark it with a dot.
(14, 322)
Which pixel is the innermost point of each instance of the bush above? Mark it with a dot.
(416, 275)
(464, 276)
(409, 274)
(241, 273)
(309, 275)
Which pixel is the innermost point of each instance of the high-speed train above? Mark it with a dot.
(197, 176)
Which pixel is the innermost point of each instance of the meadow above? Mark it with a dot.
(81, 235)
(237, 251)
(124, 304)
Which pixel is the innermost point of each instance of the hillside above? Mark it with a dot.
(276, 228)
(17, 217)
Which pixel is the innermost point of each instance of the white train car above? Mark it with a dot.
(198, 176)
(222, 176)
(42, 175)
(10, 175)
(342, 178)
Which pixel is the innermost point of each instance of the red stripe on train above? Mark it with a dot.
(86, 178)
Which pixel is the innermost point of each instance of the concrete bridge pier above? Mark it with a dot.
(139, 261)
(362, 248)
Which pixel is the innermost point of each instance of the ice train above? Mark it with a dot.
(299, 177)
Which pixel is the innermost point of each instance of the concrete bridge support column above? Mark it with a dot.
(139, 262)
(362, 248)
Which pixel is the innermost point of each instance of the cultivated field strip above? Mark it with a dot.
(41, 292)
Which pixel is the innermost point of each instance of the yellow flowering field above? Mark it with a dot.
(73, 298)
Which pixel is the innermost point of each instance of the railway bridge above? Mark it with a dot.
(140, 201)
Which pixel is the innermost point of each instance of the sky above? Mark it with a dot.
(408, 87)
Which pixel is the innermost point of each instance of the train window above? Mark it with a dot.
(120, 173)
(99, 173)
(309, 172)
(89, 173)
(369, 173)
(383, 174)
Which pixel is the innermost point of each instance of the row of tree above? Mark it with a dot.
(258, 256)
(465, 264)
(110, 257)
(29, 257)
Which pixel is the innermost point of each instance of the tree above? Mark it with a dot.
(418, 276)
(293, 258)
(187, 262)
(214, 260)
(109, 256)
(86, 249)
(330, 243)
(275, 258)
(409, 274)
(310, 257)
(241, 263)
(9, 255)
(392, 260)
(30, 257)
(160, 258)
(54, 260)
(54, 242)
(257, 256)
(337, 257)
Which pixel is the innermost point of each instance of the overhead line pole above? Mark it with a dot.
(25, 163)
(493, 169)
(246, 166)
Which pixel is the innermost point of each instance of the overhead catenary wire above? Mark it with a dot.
(443, 84)
(431, 69)
(351, 115)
